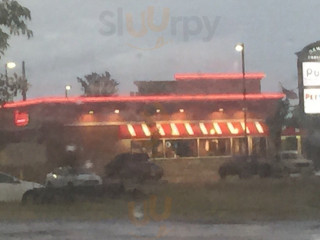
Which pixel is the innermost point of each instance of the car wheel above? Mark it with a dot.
(140, 179)
(49, 184)
(244, 174)
(264, 171)
(70, 184)
(222, 173)
(29, 198)
(286, 172)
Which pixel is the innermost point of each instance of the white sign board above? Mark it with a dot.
(311, 74)
(311, 101)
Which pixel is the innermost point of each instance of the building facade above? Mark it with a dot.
(193, 116)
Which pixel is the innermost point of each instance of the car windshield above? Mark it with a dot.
(83, 171)
(160, 119)
(289, 155)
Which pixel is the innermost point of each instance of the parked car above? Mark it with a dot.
(293, 162)
(68, 176)
(283, 164)
(135, 167)
(244, 167)
(12, 189)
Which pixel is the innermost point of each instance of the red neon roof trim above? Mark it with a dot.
(218, 76)
(168, 98)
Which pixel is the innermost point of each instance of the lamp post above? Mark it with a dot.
(25, 83)
(9, 65)
(240, 48)
(68, 88)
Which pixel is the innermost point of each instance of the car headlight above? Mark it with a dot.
(54, 175)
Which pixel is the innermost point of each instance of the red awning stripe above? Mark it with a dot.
(291, 131)
(201, 129)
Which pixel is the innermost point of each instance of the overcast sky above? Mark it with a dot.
(73, 38)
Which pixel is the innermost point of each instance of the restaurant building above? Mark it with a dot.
(194, 116)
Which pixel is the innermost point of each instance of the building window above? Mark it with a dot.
(239, 146)
(259, 146)
(289, 143)
(215, 147)
(153, 149)
(181, 148)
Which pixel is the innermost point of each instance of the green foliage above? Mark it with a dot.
(11, 86)
(96, 84)
(12, 22)
(296, 118)
(7, 89)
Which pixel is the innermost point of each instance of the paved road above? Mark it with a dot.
(122, 230)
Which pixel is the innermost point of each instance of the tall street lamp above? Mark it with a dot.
(23, 83)
(240, 48)
(9, 65)
(68, 88)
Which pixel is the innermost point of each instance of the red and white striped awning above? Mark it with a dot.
(199, 129)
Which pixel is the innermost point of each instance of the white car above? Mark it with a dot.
(68, 176)
(294, 162)
(12, 188)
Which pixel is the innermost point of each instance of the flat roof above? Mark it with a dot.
(218, 76)
(153, 98)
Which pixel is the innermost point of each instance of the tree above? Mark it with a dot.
(276, 122)
(10, 86)
(12, 19)
(98, 85)
(12, 22)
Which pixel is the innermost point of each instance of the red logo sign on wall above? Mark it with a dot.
(21, 119)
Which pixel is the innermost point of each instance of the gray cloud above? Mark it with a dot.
(68, 42)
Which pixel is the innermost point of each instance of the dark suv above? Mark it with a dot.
(135, 167)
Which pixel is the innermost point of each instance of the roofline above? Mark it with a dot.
(153, 98)
(218, 76)
(155, 82)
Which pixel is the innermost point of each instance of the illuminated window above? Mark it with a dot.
(215, 147)
(154, 150)
(181, 148)
(239, 146)
(259, 146)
